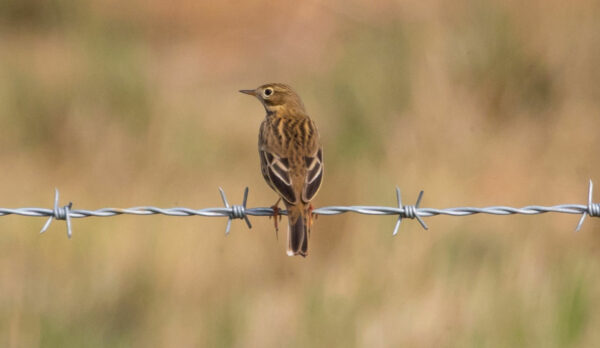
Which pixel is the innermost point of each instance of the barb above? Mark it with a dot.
(237, 211)
(593, 209)
(409, 211)
(242, 212)
(59, 213)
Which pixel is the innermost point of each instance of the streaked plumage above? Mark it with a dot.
(291, 158)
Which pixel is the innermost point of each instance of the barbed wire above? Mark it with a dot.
(242, 212)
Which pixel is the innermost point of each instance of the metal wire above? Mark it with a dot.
(242, 212)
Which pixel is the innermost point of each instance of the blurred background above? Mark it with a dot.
(121, 104)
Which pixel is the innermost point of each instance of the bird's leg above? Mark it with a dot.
(276, 214)
(311, 215)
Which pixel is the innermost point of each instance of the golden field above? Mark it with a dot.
(121, 104)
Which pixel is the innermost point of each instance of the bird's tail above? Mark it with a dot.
(297, 230)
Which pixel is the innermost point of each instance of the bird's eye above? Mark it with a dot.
(268, 92)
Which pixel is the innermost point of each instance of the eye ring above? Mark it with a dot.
(268, 92)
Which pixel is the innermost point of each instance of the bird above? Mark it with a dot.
(291, 158)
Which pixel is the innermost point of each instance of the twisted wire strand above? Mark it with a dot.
(242, 212)
(331, 210)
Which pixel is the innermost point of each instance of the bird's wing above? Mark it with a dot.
(276, 170)
(314, 175)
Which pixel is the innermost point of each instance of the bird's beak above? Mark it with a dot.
(248, 91)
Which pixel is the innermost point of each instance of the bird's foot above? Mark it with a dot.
(276, 215)
(311, 216)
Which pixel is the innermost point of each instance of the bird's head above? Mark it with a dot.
(276, 97)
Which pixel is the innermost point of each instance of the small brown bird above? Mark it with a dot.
(291, 158)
